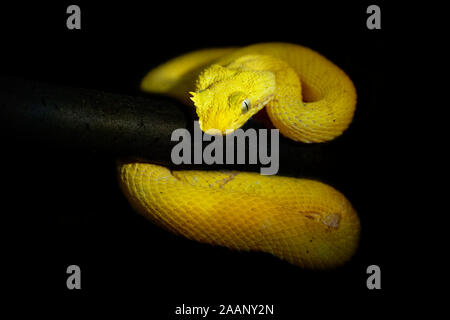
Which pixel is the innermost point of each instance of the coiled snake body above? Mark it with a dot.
(309, 99)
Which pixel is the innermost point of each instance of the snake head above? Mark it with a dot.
(226, 97)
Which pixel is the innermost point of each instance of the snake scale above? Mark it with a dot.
(309, 99)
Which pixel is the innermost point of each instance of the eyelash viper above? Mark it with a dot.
(309, 99)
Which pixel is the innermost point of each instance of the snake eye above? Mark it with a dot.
(245, 106)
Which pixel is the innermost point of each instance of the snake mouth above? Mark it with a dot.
(218, 132)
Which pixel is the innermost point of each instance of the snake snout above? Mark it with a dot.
(216, 129)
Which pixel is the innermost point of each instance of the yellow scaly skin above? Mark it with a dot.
(309, 99)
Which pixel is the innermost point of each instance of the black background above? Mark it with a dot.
(65, 206)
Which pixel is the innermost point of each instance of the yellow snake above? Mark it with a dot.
(309, 99)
